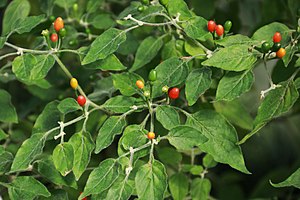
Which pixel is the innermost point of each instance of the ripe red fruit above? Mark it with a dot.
(54, 37)
(211, 26)
(219, 30)
(81, 100)
(58, 24)
(174, 93)
(280, 53)
(276, 37)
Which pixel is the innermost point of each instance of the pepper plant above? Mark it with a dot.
(132, 99)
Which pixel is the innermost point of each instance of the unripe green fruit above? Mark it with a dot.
(147, 93)
(145, 2)
(164, 2)
(165, 89)
(152, 75)
(88, 31)
(45, 33)
(265, 47)
(62, 32)
(227, 26)
(141, 8)
(52, 18)
(276, 47)
(75, 7)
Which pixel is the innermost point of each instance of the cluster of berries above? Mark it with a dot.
(219, 29)
(266, 46)
(58, 26)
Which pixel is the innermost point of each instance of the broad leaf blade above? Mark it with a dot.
(232, 58)
(292, 180)
(222, 138)
(111, 63)
(112, 126)
(167, 116)
(26, 187)
(101, 178)
(104, 45)
(151, 181)
(63, 157)
(234, 84)
(200, 189)
(83, 146)
(119, 104)
(27, 24)
(198, 81)
(179, 186)
(125, 82)
(68, 105)
(7, 110)
(185, 137)
(146, 52)
(121, 189)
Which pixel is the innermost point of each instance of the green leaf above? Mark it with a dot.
(18, 9)
(185, 137)
(179, 186)
(83, 146)
(6, 159)
(234, 84)
(292, 180)
(112, 126)
(167, 116)
(68, 105)
(171, 72)
(119, 104)
(196, 28)
(102, 21)
(47, 169)
(146, 52)
(133, 136)
(297, 64)
(169, 155)
(198, 81)
(63, 158)
(30, 68)
(151, 181)
(27, 24)
(169, 50)
(232, 58)
(121, 189)
(104, 45)
(3, 135)
(237, 40)
(48, 119)
(101, 178)
(208, 161)
(57, 194)
(178, 6)
(30, 149)
(266, 33)
(194, 50)
(2, 41)
(125, 82)
(111, 63)
(26, 188)
(235, 112)
(200, 189)
(290, 51)
(222, 138)
(276, 103)
(7, 110)
(297, 83)
(66, 4)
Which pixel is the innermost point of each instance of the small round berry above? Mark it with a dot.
(54, 37)
(219, 30)
(227, 25)
(87, 31)
(276, 47)
(141, 8)
(140, 84)
(75, 7)
(145, 1)
(276, 37)
(164, 2)
(147, 94)
(174, 93)
(265, 47)
(52, 18)
(151, 135)
(73, 42)
(165, 89)
(58, 24)
(62, 32)
(280, 53)
(211, 26)
(74, 83)
(152, 75)
(81, 100)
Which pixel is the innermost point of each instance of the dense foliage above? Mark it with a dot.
(105, 99)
